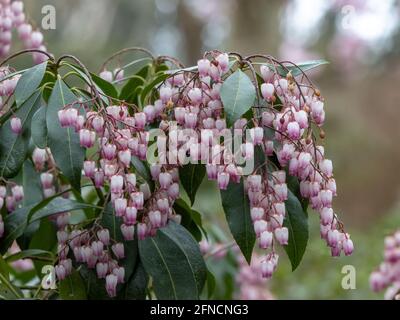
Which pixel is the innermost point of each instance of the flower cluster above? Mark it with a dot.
(12, 16)
(11, 197)
(387, 274)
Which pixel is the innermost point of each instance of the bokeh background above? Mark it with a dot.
(361, 39)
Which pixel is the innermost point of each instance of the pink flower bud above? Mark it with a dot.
(326, 198)
(128, 232)
(190, 120)
(150, 112)
(62, 251)
(117, 184)
(104, 236)
(281, 191)
(17, 192)
(247, 150)
(137, 200)
(118, 250)
(377, 281)
(282, 235)
(304, 160)
(10, 203)
(257, 213)
(165, 94)
(293, 130)
(266, 73)
(326, 216)
(283, 83)
(267, 91)
(163, 205)
(267, 269)
(89, 168)
(195, 96)
(60, 272)
(140, 120)
(106, 75)
(36, 39)
(301, 118)
(265, 240)
(16, 125)
(125, 157)
(98, 124)
(47, 180)
(173, 191)
(257, 135)
(87, 138)
(179, 113)
(155, 170)
(111, 285)
(165, 180)
(260, 226)
(348, 246)
(120, 273)
(24, 31)
(212, 171)
(223, 180)
(326, 167)
(203, 67)
(120, 205)
(223, 62)
(155, 218)
(333, 237)
(99, 178)
(142, 231)
(109, 151)
(101, 269)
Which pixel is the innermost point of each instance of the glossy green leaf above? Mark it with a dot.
(297, 223)
(13, 147)
(129, 88)
(173, 259)
(72, 287)
(39, 128)
(33, 191)
(237, 211)
(191, 219)
(149, 87)
(237, 94)
(137, 284)
(64, 142)
(299, 68)
(142, 170)
(191, 177)
(29, 82)
(27, 254)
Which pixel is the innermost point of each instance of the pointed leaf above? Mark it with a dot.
(299, 68)
(72, 287)
(237, 211)
(297, 223)
(29, 82)
(14, 147)
(237, 94)
(39, 128)
(137, 284)
(173, 259)
(64, 142)
(191, 176)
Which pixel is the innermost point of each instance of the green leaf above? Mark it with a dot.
(191, 176)
(95, 287)
(149, 87)
(237, 94)
(39, 128)
(173, 259)
(57, 205)
(29, 82)
(33, 191)
(7, 289)
(191, 219)
(299, 68)
(27, 254)
(142, 170)
(14, 226)
(129, 88)
(211, 283)
(137, 284)
(237, 211)
(64, 142)
(72, 287)
(14, 147)
(297, 223)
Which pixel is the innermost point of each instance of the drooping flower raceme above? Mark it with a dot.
(387, 275)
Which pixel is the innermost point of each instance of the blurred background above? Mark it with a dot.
(361, 39)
